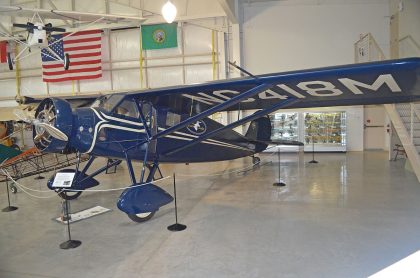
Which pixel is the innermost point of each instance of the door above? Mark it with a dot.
(374, 127)
(149, 114)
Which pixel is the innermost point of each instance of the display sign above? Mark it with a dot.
(63, 180)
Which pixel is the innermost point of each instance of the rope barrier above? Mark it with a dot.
(24, 188)
(75, 190)
(115, 189)
(231, 172)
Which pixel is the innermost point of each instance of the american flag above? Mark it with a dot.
(84, 49)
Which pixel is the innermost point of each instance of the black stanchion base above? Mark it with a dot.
(177, 227)
(70, 244)
(39, 178)
(279, 184)
(313, 161)
(9, 208)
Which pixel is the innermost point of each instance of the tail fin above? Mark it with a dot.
(259, 129)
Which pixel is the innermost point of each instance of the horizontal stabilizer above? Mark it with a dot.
(281, 142)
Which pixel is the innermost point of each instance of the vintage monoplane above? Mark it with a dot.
(172, 124)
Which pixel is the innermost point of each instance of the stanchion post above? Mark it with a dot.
(177, 226)
(9, 207)
(313, 150)
(70, 243)
(279, 183)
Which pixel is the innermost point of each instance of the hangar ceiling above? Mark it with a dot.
(149, 9)
(188, 10)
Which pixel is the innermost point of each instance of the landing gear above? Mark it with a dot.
(66, 61)
(9, 61)
(141, 217)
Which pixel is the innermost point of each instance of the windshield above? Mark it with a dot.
(107, 102)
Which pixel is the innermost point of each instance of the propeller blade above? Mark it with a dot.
(20, 25)
(54, 29)
(53, 131)
(21, 115)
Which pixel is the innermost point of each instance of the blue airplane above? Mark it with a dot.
(171, 125)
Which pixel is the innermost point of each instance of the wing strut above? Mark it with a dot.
(242, 70)
(256, 90)
(256, 115)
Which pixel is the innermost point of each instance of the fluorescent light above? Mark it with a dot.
(169, 12)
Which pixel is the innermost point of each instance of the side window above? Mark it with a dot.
(172, 119)
(146, 110)
(127, 108)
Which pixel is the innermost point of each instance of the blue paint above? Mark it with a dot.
(141, 199)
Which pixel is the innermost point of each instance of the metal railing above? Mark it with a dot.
(366, 49)
(414, 43)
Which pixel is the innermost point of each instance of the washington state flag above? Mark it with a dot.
(159, 36)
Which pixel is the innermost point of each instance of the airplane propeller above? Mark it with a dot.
(44, 124)
(29, 26)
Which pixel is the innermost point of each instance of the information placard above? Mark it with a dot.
(63, 180)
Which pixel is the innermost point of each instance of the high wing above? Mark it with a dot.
(72, 15)
(383, 82)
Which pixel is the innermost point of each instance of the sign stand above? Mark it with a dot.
(70, 243)
(9, 207)
(279, 183)
(176, 227)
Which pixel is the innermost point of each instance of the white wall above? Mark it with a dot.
(299, 34)
(409, 25)
(121, 66)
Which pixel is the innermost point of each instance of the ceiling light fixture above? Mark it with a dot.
(169, 12)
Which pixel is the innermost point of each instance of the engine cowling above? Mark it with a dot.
(55, 112)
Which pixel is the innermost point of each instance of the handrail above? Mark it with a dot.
(382, 55)
(373, 48)
(409, 37)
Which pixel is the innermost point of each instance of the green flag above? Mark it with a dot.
(159, 36)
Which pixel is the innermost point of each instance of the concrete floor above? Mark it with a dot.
(351, 215)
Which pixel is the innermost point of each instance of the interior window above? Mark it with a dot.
(172, 119)
(146, 110)
(127, 108)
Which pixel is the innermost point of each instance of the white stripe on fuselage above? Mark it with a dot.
(104, 124)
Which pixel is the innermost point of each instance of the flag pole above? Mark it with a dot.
(213, 58)
(141, 60)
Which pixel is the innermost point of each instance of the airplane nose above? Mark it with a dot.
(54, 123)
(84, 136)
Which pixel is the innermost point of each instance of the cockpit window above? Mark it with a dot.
(113, 103)
(127, 108)
(107, 102)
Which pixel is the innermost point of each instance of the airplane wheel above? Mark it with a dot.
(9, 61)
(71, 195)
(141, 217)
(255, 160)
(66, 61)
